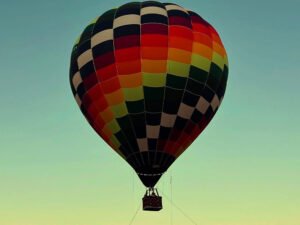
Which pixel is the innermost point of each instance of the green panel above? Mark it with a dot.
(201, 62)
(218, 60)
(115, 141)
(119, 110)
(178, 69)
(133, 94)
(113, 126)
(154, 79)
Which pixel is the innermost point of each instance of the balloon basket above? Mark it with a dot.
(151, 200)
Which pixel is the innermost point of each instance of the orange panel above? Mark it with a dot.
(203, 39)
(219, 49)
(129, 67)
(155, 53)
(107, 115)
(181, 43)
(115, 98)
(203, 50)
(130, 81)
(106, 130)
(154, 66)
(180, 55)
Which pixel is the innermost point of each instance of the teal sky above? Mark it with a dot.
(243, 170)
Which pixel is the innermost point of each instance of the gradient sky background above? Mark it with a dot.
(243, 170)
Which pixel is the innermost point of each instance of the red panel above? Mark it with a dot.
(180, 31)
(129, 67)
(127, 41)
(197, 27)
(128, 54)
(107, 72)
(154, 40)
(154, 28)
(111, 85)
(90, 81)
(179, 21)
(104, 60)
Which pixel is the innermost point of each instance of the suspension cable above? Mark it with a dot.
(180, 210)
(135, 214)
(171, 192)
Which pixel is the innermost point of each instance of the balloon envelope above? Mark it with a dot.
(149, 77)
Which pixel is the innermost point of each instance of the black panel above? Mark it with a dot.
(214, 77)
(180, 123)
(178, 13)
(190, 99)
(198, 74)
(83, 47)
(164, 132)
(87, 69)
(129, 8)
(135, 106)
(173, 99)
(86, 34)
(208, 94)
(138, 121)
(176, 81)
(101, 49)
(153, 118)
(154, 18)
(81, 90)
(197, 116)
(152, 144)
(127, 30)
(194, 87)
(152, 3)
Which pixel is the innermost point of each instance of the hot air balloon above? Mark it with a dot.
(149, 77)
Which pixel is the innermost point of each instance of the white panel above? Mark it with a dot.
(215, 103)
(143, 144)
(84, 58)
(76, 80)
(127, 20)
(78, 100)
(154, 10)
(168, 120)
(185, 111)
(175, 7)
(152, 131)
(202, 105)
(101, 37)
